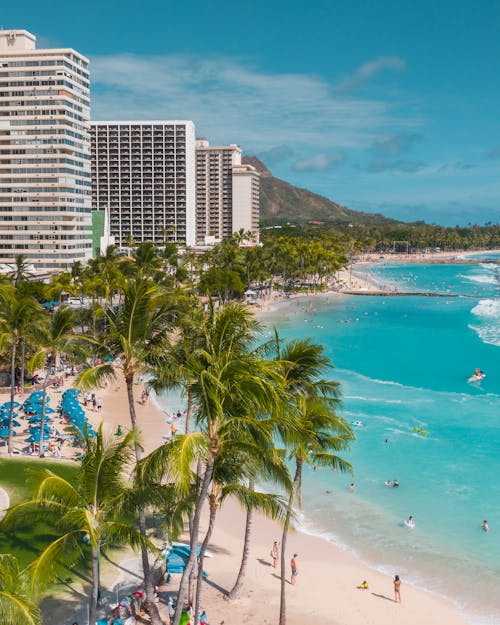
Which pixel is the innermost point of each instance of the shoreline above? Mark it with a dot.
(323, 564)
(354, 281)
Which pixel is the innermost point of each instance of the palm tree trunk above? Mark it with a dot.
(296, 481)
(146, 567)
(42, 417)
(23, 364)
(206, 540)
(207, 478)
(12, 394)
(94, 596)
(299, 492)
(236, 589)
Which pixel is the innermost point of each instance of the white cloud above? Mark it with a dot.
(366, 71)
(320, 162)
(231, 101)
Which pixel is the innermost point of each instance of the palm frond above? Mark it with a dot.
(95, 377)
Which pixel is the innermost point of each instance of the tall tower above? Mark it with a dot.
(227, 194)
(45, 204)
(143, 175)
(246, 201)
(214, 190)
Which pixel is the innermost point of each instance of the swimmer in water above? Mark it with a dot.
(485, 526)
(395, 484)
(352, 487)
(410, 522)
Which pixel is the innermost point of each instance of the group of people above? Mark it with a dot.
(275, 550)
(187, 614)
(397, 588)
(295, 571)
(91, 398)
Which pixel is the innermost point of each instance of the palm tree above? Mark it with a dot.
(16, 316)
(323, 433)
(249, 453)
(21, 270)
(178, 368)
(83, 513)
(17, 605)
(57, 337)
(136, 331)
(234, 388)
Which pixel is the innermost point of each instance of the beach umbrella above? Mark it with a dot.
(8, 404)
(36, 430)
(50, 304)
(4, 433)
(38, 419)
(5, 423)
(36, 439)
(6, 414)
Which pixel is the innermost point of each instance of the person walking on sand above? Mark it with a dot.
(295, 569)
(275, 553)
(397, 588)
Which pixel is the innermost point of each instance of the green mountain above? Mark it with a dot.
(282, 202)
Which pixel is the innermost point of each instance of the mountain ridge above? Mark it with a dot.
(282, 202)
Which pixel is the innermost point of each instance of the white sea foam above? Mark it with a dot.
(482, 278)
(488, 312)
(376, 400)
(487, 308)
(489, 266)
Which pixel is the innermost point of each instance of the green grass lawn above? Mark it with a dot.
(16, 478)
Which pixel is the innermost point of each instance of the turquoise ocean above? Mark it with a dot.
(403, 362)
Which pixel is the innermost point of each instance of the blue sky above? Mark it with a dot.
(385, 106)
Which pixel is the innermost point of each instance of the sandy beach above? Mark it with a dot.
(326, 588)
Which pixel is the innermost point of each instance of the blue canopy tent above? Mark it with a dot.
(177, 558)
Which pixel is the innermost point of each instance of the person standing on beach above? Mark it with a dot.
(397, 588)
(275, 553)
(295, 569)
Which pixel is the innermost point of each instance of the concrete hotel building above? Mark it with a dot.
(227, 193)
(45, 205)
(143, 174)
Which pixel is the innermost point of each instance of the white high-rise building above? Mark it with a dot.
(227, 194)
(45, 204)
(143, 175)
(246, 201)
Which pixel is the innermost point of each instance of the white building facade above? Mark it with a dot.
(246, 201)
(214, 190)
(225, 193)
(45, 190)
(143, 175)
